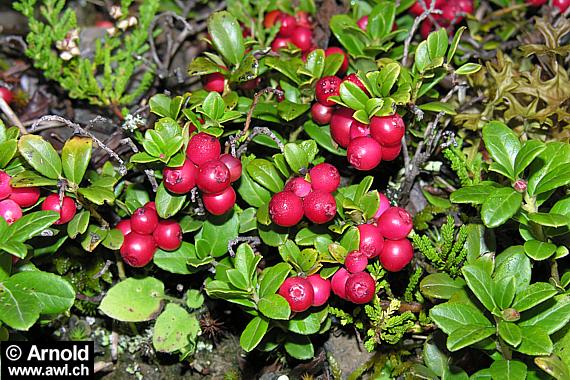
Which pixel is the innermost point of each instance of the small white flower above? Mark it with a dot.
(132, 123)
(115, 12)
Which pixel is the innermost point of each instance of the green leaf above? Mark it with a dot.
(539, 250)
(387, 78)
(29, 178)
(468, 68)
(440, 285)
(508, 370)
(134, 300)
(299, 347)
(213, 106)
(113, 240)
(555, 154)
(218, 231)
(40, 155)
(265, 173)
(451, 316)
(348, 34)
(503, 291)
(513, 261)
(31, 225)
(322, 135)
(307, 323)
(167, 204)
(165, 106)
(226, 36)
(272, 278)
(500, 206)
(476, 194)
(549, 219)
(422, 59)
(290, 110)
(437, 44)
(296, 157)
(549, 316)
(174, 329)
(533, 295)
(274, 306)
(480, 284)
(529, 151)
(75, 157)
(175, 261)
(353, 96)
(434, 358)
(78, 225)
(97, 194)
(553, 366)
(503, 145)
(315, 63)
(455, 43)
(351, 239)
(8, 150)
(194, 298)
(253, 333)
(438, 107)
(535, 342)
(510, 333)
(468, 335)
(254, 194)
(558, 177)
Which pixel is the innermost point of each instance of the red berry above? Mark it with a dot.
(213, 177)
(137, 249)
(233, 164)
(288, 25)
(25, 196)
(280, 43)
(417, 8)
(425, 28)
(181, 179)
(357, 129)
(66, 210)
(298, 292)
(362, 22)
(324, 177)
(219, 204)
(5, 188)
(364, 153)
(382, 206)
(321, 114)
(387, 130)
(321, 289)
(104, 24)
(391, 152)
(371, 241)
(298, 186)
(250, 84)
(396, 254)
(353, 78)
(341, 121)
(302, 38)
(536, 3)
(286, 209)
(144, 220)
(327, 86)
(562, 5)
(360, 288)
(203, 148)
(6, 94)
(320, 207)
(168, 235)
(304, 19)
(395, 223)
(338, 282)
(355, 261)
(453, 10)
(124, 226)
(270, 18)
(10, 211)
(336, 50)
(214, 82)
(151, 205)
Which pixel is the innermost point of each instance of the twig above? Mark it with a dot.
(77, 129)
(254, 104)
(11, 115)
(195, 198)
(416, 24)
(251, 240)
(149, 173)
(104, 269)
(259, 131)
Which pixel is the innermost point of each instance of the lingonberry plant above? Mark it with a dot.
(378, 169)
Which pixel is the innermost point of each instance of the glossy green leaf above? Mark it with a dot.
(549, 219)
(539, 250)
(134, 300)
(468, 69)
(558, 177)
(31, 225)
(40, 155)
(226, 36)
(514, 262)
(500, 206)
(296, 157)
(168, 204)
(175, 261)
(353, 96)
(78, 225)
(503, 145)
(556, 153)
(274, 306)
(476, 194)
(468, 335)
(550, 316)
(440, 285)
(253, 333)
(529, 151)
(451, 316)
(174, 329)
(508, 370)
(387, 77)
(299, 347)
(504, 291)
(533, 295)
(75, 157)
(455, 43)
(480, 284)
(437, 44)
(322, 135)
(264, 172)
(272, 278)
(8, 150)
(510, 333)
(535, 342)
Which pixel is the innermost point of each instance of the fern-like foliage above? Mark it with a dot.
(468, 169)
(411, 289)
(386, 325)
(106, 78)
(446, 248)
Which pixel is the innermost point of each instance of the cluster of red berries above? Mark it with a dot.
(386, 240)
(452, 11)
(311, 199)
(209, 170)
(301, 293)
(144, 232)
(562, 5)
(13, 199)
(296, 30)
(367, 145)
